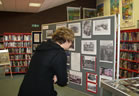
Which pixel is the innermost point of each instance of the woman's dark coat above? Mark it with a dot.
(48, 60)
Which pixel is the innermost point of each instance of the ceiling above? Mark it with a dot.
(23, 5)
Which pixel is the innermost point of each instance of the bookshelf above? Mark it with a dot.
(129, 53)
(20, 50)
(1, 42)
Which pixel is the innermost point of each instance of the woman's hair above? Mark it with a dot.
(63, 34)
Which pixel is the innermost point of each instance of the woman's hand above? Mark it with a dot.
(55, 79)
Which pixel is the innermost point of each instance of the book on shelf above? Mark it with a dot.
(1, 46)
(129, 36)
(137, 36)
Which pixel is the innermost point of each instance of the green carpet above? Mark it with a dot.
(10, 86)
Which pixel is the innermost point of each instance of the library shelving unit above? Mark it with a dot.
(19, 46)
(129, 53)
(1, 42)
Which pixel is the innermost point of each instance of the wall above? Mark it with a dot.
(22, 22)
(135, 11)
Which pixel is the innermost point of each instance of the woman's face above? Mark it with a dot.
(67, 45)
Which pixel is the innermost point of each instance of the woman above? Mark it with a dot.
(48, 66)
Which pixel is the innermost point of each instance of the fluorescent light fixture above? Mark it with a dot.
(0, 3)
(34, 4)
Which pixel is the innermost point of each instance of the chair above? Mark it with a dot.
(5, 60)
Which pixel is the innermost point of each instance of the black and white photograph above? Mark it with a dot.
(106, 51)
(35, 46)
(89, 63)
(75, 77)
(91, 77)
(76, 28)
(89, 47)
(102, 27)
(68, 62)
(61, 25)
(75, 61)
(68, 59)
(86, 29)
(106, 73)
(91, 87)
(72, 47)
(49, 34)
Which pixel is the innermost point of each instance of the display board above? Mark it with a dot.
(36, 39)
(92, 56)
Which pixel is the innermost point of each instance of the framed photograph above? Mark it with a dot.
(72, 47)
(36, 37)
(91, 87)
(76, 28)
(106, 73)
(34, 46)
(75, 77)
(102, 27)
(86, 29)
(61, 25)
(114, 6)
(91, 77)
(89, 12)
(73, 13)
(49, 34)
(89, 47)
(89, 63)
(106, 51)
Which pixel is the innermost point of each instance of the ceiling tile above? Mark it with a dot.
(22, 5)
(9, 5)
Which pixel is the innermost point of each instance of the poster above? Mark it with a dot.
(114, 6)
(127, 13)
(75, 61)
(36, 37)
(100, 9)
